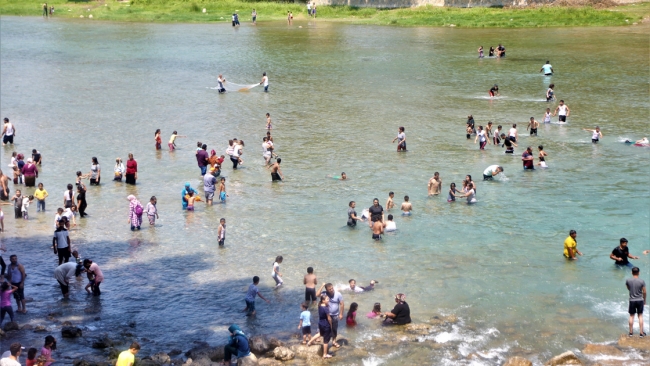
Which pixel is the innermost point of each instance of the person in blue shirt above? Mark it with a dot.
(188, 188)
(547, 69)
(237, 344)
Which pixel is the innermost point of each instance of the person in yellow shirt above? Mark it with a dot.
(571, 246)
(40, 195)
(127, 358)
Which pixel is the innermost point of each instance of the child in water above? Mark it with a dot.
(152, 211)
(191, 198)
(480, 52)
(172, 141)
(222, 190)
(542, 157)
(277, 276)
(547, 115)
(91, 281)
(451, 197)
(268, 122)
(305, 323)
(351, 319)
(26, 202)
(376, 311)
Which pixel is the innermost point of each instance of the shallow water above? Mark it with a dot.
(338, 93)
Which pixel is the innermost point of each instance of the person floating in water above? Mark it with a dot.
(276, 172)
(343, 176)
(596, 134)
(494, 91)
(562, 111)
(547, 69)
(549, 93)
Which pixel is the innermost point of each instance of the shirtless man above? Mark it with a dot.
(389, 203)
(377, 229)
(406, 207)
(276, 173)
(532, 125)
(310, 282)
(435, 184)
(4, 187)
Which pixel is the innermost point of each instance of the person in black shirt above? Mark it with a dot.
(621, 253)
(401, 313)
(376, 212)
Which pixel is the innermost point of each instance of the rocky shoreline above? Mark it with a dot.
(286, 349)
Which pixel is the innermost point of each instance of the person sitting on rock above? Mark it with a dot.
(237, 345)
(401, 313)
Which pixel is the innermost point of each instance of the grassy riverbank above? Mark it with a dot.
(221, 10)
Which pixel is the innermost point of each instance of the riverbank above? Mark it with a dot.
(221, 11)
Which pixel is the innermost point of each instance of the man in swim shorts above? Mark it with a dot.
(562, 111)
(276, 172)
(492, 171)
(406, 207)
(310, 282)
(532, 125)
(377, 230)
(547, 69)
(435, 184)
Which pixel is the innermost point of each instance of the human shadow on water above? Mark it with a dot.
(164, 303)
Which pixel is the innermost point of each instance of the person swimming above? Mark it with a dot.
(343, 176)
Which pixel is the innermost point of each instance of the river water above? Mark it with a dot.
(78, 89)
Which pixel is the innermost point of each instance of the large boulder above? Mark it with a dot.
(601, 349)
(275, 343)
(205, 352)
(11, 326)
(634, 342)
(2, 333)
(71, 332)
(566, 358)
(250, 360)
(283, 354)
(103, 342)
(517, 361)
(259, 344)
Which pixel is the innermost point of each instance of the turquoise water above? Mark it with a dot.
(338, 93)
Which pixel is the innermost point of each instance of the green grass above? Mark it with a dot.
(191, 11)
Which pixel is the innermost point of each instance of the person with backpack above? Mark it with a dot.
(135, 212)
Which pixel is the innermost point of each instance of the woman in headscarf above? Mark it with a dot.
(401, 313)
(131, 170)
(135, 212)
(119, 169)
(237, 344)
(188, 188)
(30, 172)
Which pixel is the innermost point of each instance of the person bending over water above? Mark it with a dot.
(406, 207)
(509, 144)
(596, 134)
(494, 91)
(492, 171)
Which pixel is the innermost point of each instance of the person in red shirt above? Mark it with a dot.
(131, 170)
(527, 159)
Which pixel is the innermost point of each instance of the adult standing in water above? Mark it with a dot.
(118, 170)
(16, 276)
(376, 212)
(131, 170)
(209, 186)
(135, 212)
(527, 159)
(482, 137)
(61, 243)
(220, 81)
(401, 139)
(265, 79)
(4, 187)
(547, 69)
(638, 293)
(95, 172)
(352, 214)
(276, 172)
(571, 246)
(93, 269)
(81, 201)
(254, 17)
(30, 172)
(158, 139)
(401, 313)
(336, 308)
(8, 132)
(187, 190)
(435, 184)
(562, 111)
(621, 253)
(202, 159)
(596, 134)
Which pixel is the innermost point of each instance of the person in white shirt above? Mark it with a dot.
(265, 82)
(14, 351)
(492, 171)
(512, 134)
(8, 132)
(563, 111)
(390, 224)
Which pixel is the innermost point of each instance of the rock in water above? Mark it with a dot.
(11, 326)
(247, 361)
(275, 343)
(102, 342)
(259, 344)
(600, 349)
(283, 354)
(161, 358)
(40, 329)
(566, 358)
(517, 361)
(634, 342)
(70, 332)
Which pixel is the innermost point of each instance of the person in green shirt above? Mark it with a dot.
(127, 358)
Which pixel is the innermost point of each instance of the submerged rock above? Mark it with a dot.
(443, 319)
(283, 354)
(214, 354)
(40, 329)
(421, 329)
(634, 342)
(103, 342)
(161, 358)
(566, 358)
(275, 343)
(517, 361)
(71, 332)
(9, 326)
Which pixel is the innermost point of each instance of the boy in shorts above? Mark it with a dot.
(250, 297)
(305, 323)
(310, 282)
